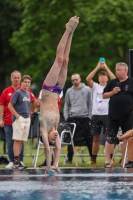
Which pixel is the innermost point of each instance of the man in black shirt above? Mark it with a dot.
(120, 92)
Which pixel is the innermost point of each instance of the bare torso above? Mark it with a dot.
(49, 110)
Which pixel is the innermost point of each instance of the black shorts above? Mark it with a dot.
(113, 125)
(98, 122)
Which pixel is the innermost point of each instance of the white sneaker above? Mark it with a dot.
(10, 165)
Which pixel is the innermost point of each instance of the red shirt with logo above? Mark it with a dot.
(5, 99)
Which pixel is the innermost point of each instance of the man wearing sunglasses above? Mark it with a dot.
(78, 109)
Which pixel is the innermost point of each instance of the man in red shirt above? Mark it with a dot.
(6, 116)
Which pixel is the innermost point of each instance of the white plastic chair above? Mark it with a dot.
(125, 155)
(71, 134)
(118, 134)
(37, 153)
(40, 146)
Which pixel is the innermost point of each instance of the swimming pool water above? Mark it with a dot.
(79, 184)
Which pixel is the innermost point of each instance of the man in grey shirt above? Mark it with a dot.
(78, 109)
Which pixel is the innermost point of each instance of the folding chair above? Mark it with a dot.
(37, 153)
(125, 156)
(118, 134)
(62, 139)
(82, 136)
(66, 138)
(40, 146)
(34, 129)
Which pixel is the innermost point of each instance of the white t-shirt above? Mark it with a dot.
(100, 105)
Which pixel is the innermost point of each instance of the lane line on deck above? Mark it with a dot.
(98, 175)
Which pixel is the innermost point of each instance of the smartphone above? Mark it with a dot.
(118, 84)
(102, 60)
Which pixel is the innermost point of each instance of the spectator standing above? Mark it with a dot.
(99, 106)
(78, 109)
(6, 116)
(20, 107)
(120, 92)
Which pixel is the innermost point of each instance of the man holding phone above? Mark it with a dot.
(120, 92)
(100, 105)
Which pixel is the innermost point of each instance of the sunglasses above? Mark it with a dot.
(75, 80)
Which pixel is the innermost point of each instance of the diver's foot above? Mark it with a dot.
(56, 169)
(76, 23)
(72, 23)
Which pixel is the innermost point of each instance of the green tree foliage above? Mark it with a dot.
(10, 15)
(105, 30)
